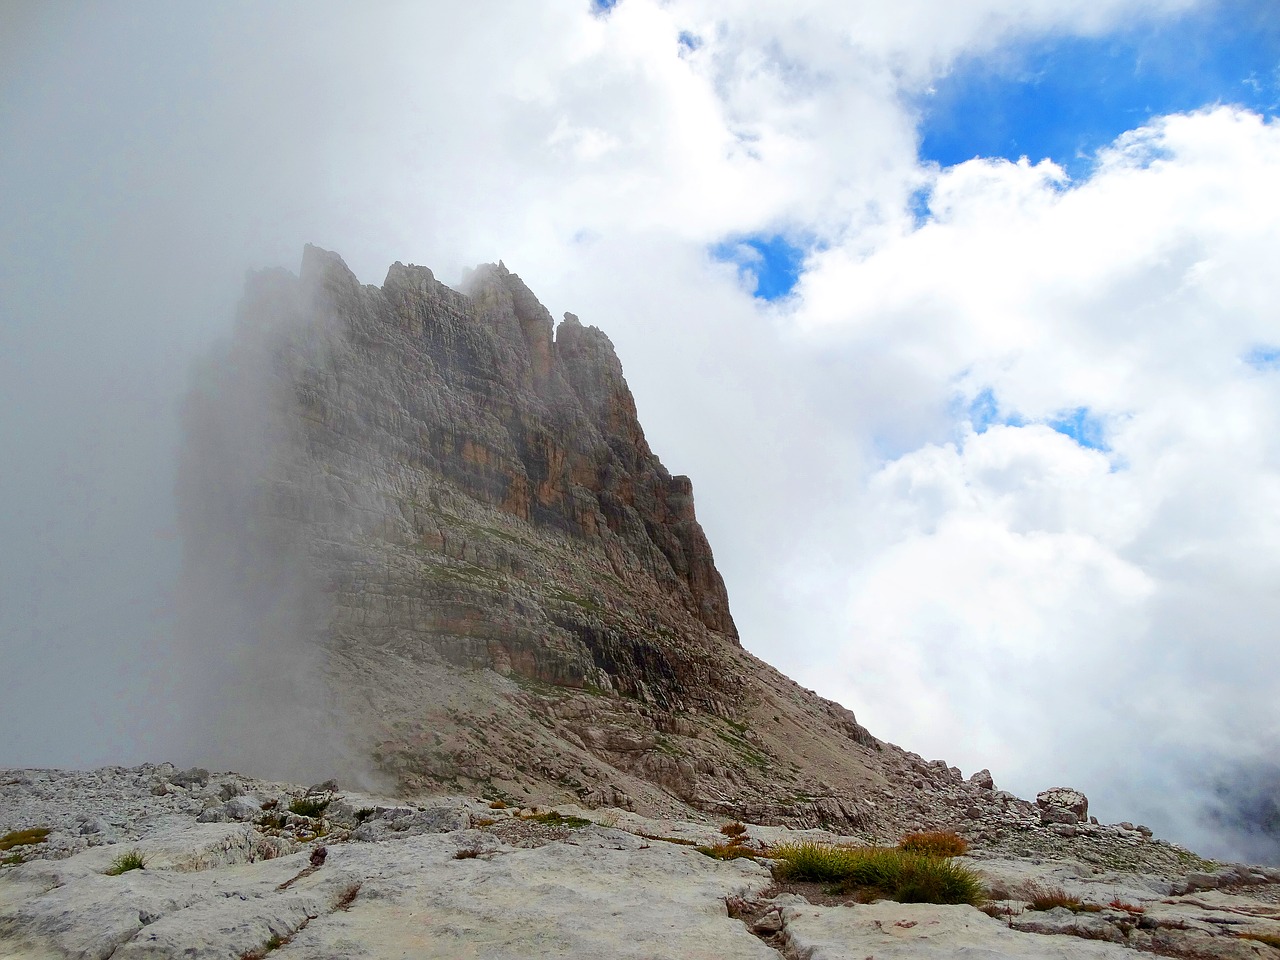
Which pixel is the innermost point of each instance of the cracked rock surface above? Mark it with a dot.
(360, 875)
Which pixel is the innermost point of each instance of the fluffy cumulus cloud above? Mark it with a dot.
(999, 472)
(1081, 549)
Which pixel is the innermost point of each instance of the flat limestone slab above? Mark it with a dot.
(920, 931)
(602, 893)
(561, 900)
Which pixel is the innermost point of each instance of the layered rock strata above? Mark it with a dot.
(447, 505)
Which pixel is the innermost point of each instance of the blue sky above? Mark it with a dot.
(1079, 423)
(772, 260)
(1064, 97)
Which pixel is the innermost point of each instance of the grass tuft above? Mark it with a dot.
(889, 872)
(274, 942)
(935, 843)
(1133, 908)
(734, 829)
(1050, 898)
(681, 841)
(729, 851)
(554, 819)
(308, 806)
(23, 838)
(130, 860)
(999, 911)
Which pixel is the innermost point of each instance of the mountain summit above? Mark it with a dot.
(428, 549)
(430, 520)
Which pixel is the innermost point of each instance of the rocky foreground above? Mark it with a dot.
(154, 862)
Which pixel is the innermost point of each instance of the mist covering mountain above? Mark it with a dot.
(429, 555)
(426, 543)
(1245, 811)
(997, 473)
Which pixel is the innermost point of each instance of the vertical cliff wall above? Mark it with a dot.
(435, 517)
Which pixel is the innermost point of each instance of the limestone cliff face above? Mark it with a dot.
(477, 390)
(454, 501)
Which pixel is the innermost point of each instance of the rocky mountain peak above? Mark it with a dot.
(450, 503)
(447, 512)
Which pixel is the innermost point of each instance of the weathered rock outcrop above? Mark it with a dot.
(450, 505)
(1062, 805)
(454, 502)
(425, 534)
(399, 418)
(146, 862)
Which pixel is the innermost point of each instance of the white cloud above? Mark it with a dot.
(1058, 592)
(988, 596)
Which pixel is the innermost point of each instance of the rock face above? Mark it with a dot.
(452, 504)
(323, 872)
(402, 415)
(425, 538)
(1062, 805)
(425, 535)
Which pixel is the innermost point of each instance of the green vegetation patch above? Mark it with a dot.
(540, 687)
(1194, 861)
(554, 819)
(308, 806)
(464, 573)
(729, 851)
(680, 841)
(274, 942)
(664, 745)
(935, 843)
(586, 603)
(888, 872)
(131, 860)
(483, 530)
(23, 838)
(1050, 898)
(744, 748)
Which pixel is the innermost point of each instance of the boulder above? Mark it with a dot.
(1060, 920)
(1064, 798)
(242, 808)
(983, 780)
(192, 777)
(440, 819)
(1050, 816)
(90, 825)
